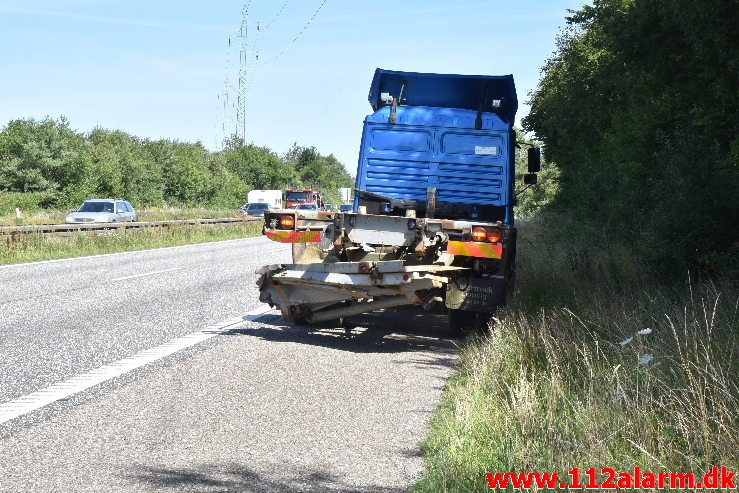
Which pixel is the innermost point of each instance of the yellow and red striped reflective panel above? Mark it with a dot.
(294, 236)
(474, 249)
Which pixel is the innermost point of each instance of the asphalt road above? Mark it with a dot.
(62, 318)
(263, 406)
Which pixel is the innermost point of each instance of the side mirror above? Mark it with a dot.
(534, 160)
(529, 179)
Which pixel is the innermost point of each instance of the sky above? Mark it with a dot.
(171, 69)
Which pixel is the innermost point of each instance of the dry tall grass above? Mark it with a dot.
(592, 365)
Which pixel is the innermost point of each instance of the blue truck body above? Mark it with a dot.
(449, 133)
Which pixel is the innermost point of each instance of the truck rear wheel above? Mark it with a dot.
(465, 321)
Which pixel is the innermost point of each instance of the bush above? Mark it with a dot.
(27, 202)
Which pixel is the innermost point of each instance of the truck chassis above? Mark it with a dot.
(347, 263)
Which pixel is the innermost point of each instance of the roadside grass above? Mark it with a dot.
(593, 364)
(168, 213)
(33, 247)
(45, 216)
(54, 216)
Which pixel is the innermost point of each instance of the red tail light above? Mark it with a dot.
(479, 234)
(287, 222)
(493, 235)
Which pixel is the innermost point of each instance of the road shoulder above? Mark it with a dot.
(271, 407)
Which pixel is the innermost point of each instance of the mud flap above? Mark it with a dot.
(478, 294)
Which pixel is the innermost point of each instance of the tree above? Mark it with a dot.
(63, 167)
(638, 109)
(538, 196)
(325, 173)
(39, 156)
(259, 167)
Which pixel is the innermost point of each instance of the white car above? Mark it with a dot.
(102, 211)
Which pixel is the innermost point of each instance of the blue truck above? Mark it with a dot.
(432, 222)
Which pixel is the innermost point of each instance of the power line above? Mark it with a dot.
(252, 68)
(248, 46)
(276, 15)
(289, 45)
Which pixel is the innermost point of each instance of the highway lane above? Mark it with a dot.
(264, 406)
(61, 318)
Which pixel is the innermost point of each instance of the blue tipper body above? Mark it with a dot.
(452, 133)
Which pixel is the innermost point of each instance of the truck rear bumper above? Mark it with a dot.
(294, 236)
(325, 291)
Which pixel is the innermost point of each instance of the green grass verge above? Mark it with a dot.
(593, 364)
(165, 214)
(29, 248)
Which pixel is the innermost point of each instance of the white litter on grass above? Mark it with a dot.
(646, 359)
(642, 332)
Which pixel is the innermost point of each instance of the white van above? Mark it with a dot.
(271, 197)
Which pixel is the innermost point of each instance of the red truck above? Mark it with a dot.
(294, 198)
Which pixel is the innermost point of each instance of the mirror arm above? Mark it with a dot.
(523, 190)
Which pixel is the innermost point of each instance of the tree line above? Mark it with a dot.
(47, 164)
(637, 108)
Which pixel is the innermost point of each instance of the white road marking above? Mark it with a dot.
(63, 390)
(146, 274)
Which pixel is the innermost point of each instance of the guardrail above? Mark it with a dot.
(70, 229)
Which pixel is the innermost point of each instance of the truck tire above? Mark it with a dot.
(511, 281)
(462, 321)
(465, 322)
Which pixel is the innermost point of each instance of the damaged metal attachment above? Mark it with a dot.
(322, 292)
